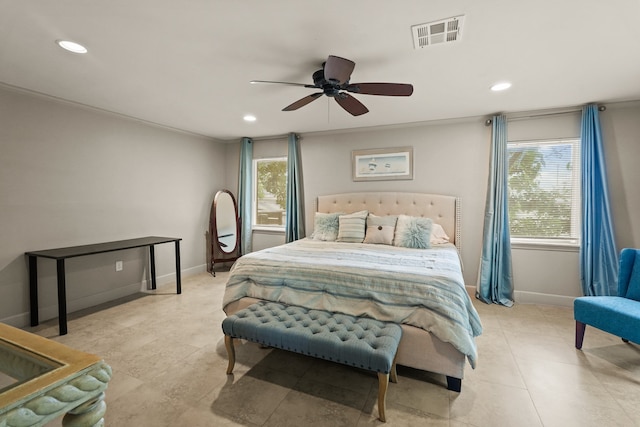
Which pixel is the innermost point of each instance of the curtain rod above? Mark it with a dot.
(269, 138)
(488, 122)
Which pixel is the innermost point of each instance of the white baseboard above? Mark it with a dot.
(523, 297)
(171, 277)
(51, 311)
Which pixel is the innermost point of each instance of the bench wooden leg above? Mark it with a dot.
(231, 352)
(393, 375)
(383, 383)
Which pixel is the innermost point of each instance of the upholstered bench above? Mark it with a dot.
(356, 341)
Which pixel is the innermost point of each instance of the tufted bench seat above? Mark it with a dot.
(356, 341)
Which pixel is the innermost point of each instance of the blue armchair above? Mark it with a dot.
(619, 315)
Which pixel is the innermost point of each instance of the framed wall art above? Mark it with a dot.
(382, 164)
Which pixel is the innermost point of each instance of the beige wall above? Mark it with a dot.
(71, 176)
(621, 129)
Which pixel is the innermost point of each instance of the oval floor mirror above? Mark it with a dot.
(224, 231)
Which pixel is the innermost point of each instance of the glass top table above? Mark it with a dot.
(41, 379)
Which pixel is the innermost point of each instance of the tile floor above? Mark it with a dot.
(169, 361)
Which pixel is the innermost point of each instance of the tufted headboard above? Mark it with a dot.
(442, 209)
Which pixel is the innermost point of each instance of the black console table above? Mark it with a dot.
(61, 254)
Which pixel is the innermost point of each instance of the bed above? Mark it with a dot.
(422, 289)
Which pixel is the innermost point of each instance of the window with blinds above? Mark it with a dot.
(544, 191)
(270, 193)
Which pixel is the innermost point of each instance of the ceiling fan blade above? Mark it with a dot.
(387, 89)
(338, 69)
(302, 102)
(352, 105)
(254, 82)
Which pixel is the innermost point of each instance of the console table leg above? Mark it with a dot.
(152, 260)
(33, 290)
(178, 283)
(89, 414)
(62, 298)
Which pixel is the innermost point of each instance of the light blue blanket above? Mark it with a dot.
(418, 287)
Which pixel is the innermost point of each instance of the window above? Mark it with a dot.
(270, 193)
(544, 191)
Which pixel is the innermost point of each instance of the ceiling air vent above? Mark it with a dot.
(437, 32)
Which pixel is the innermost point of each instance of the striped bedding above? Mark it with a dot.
(418, 287)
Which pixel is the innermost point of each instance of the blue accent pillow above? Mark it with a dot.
(413, 232)
(325, 226)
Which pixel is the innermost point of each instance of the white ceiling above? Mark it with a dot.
(187, 64)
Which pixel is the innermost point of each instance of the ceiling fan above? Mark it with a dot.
(333, 81)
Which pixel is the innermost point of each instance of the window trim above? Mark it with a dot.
(275, 229)
(564, 245)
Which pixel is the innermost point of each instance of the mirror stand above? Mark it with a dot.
(224, 231)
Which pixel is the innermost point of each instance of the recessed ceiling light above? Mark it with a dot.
(71, 46)
(500, 86)
(249, 118)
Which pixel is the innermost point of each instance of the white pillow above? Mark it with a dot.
(438, 235)
(380, 229)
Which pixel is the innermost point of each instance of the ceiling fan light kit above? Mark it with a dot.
(333, 80)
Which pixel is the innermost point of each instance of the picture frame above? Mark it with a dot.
(382, 164)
